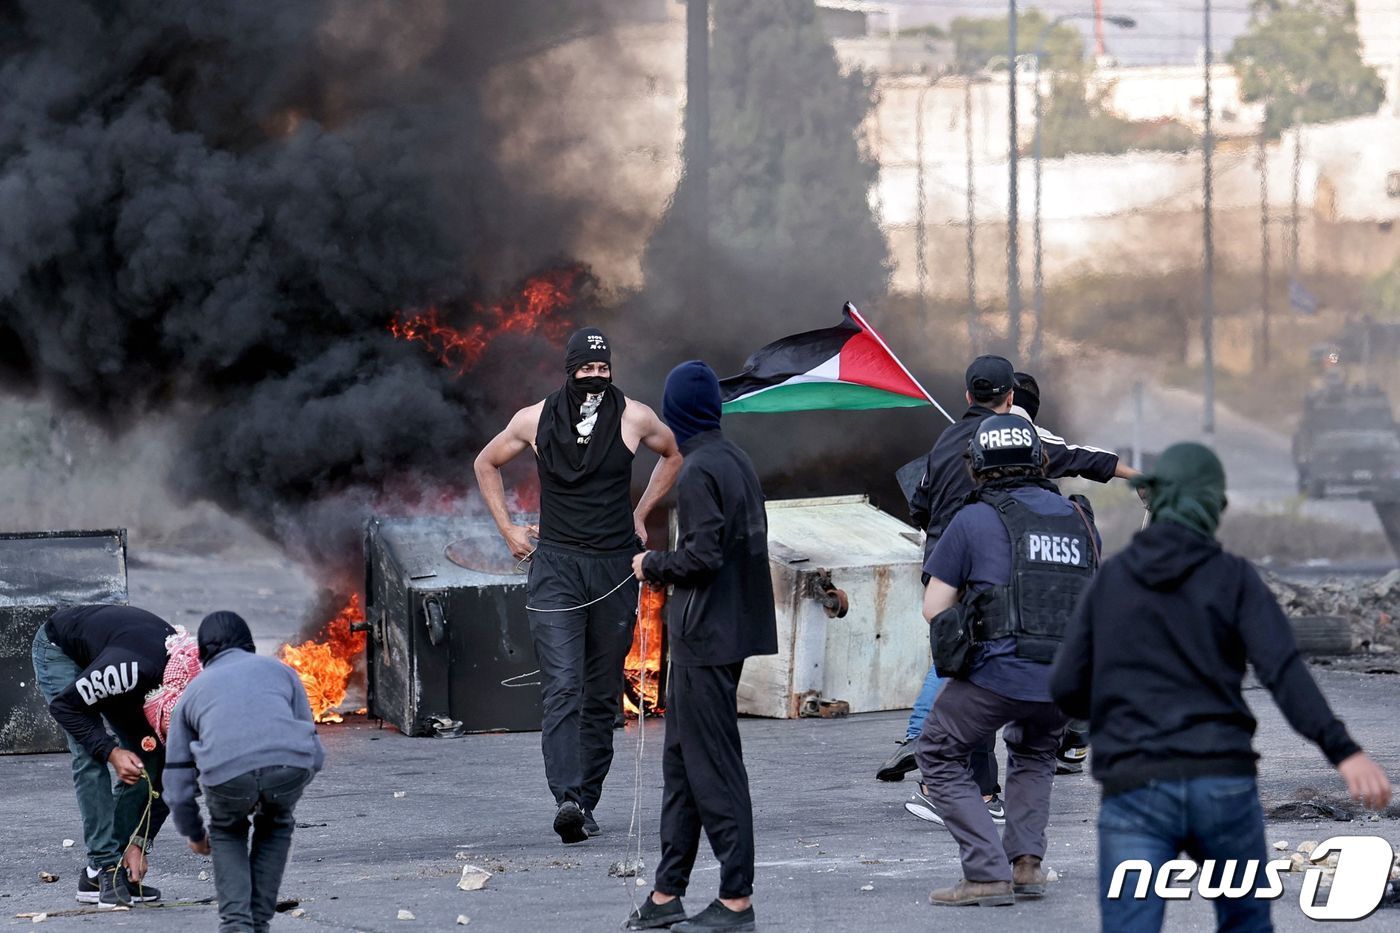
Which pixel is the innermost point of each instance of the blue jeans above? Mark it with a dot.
(246, 880)
(923, 703)
(1215, 818)
(110, 810)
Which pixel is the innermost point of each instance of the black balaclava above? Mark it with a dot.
(565, 439)
(1027, 394)
(221, 631)
(691, 404)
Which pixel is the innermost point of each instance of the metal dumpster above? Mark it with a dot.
(39, 572)
(449, 646)
(872, 658)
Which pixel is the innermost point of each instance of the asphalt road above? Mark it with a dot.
(836, 851)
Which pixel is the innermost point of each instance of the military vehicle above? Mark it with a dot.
(1347, 444)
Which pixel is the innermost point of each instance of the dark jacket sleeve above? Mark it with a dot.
(700, 551)
(79, 715)
(1272, 650)
(1071, 460)
(920, 503)
(1071, 676)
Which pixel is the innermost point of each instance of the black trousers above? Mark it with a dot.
(706, 784)
(580, 652)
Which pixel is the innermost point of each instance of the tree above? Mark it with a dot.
(1303, 60)
(1385, 292)
(792, 232)
(1077, 119)
(979, 41)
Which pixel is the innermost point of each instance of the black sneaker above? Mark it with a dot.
(112, 889)
(922, 806)
(718, 917)
(138, 892)
(568, 823)
(899, 764)
(89, 888)
(997, 809)
(654, 916)
(590, 825)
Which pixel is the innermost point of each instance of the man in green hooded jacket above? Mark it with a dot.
(1155, 657)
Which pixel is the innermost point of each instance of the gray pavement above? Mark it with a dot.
(836, 851)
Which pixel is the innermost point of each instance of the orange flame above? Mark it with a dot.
(643, 672)
(325, 666)
(532, 310)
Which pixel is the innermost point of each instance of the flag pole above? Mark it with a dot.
(865, 325)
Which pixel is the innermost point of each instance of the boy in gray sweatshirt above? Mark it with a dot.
(243, 733)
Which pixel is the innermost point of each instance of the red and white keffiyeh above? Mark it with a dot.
(181, 668)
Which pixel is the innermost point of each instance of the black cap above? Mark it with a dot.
(990, 377)
(1027, 393)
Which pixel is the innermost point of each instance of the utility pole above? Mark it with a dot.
(697, 149)
(1294, 219)
(1263, 162)
(1013, 252)
(1208, 266)
(920, 229)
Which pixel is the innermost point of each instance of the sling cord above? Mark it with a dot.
(143, 825)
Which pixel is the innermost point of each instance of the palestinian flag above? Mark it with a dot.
(847, 367)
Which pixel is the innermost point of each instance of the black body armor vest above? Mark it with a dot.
(1053, 559)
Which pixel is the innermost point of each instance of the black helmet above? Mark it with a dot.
(1004, 441)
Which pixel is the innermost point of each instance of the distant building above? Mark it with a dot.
(1378, 25)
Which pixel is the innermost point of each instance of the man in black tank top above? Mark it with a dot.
(582, 599)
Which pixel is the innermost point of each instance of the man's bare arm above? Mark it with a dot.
(659, 439)
(1123, 471)
(502, 449)
(938, 596)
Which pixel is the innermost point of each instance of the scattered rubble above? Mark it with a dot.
(47, 877)
(867, 887)
(627, 868)
(406, 915)
(473, 878)
(38, 918)
(298, 912)
(1365, 604)
(204, 876)
(400, 794)
(1281, 845)
(68, 843)
(463, 920)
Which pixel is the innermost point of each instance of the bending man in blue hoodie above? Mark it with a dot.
(1154, 658)
(243, 732)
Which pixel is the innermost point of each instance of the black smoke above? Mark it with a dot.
(216, 207)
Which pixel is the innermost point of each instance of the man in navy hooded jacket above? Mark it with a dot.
(1154, 658)
(721, 613)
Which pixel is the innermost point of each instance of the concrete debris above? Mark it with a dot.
(1307, 847)
(1052, 875)
(406, 915)
(1367, 605)
(1297, 862)
(38, 918)
(298, 912)
(473, 878)
(463, 920)
(867, 887)
(627, 868)
(68, 843)
(462, 856)
(400, 794)
(47, 877)
(1281, 845)
(204, 876)
(641, 882)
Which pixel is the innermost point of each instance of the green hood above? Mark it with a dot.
(1187, 486)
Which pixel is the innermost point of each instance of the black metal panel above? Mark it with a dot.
(447, 640)
(40, 571)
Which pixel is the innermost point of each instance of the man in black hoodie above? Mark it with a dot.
(1154, 658)
(95, 665)
(721, 613)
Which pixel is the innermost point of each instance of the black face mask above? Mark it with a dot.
(590, 385)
